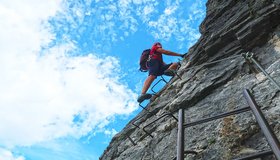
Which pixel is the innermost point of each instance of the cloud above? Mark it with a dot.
(113, 21)
(52, 95)
(46, 94)
(170, 10)
(177, 22)
(111, 132)
(8, 155)
(20, 20)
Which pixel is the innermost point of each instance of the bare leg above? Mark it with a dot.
(171, 70)
(173, 66)
(148, 83)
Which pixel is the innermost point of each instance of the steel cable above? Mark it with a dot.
(213, 62)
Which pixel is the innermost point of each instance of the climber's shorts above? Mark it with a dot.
(156, 67)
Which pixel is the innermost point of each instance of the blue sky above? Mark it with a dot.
(69, 70)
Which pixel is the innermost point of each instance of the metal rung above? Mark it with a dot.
(143, 107)
(241, 110)
(187, 152)
(133, 122)
(262, 122)
(256, 155)
(164, 115)
(131, 140)
(162, 79)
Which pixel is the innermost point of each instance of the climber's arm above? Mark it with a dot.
(163, 51)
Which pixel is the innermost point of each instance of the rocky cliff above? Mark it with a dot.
(231, 27)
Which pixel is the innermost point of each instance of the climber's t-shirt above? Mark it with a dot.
(154, 54)
(155, 64)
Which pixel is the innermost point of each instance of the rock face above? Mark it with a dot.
(231, 27)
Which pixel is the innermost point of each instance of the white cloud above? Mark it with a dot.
(111, 132)
(124, 3)
(196, 9)
(162, 19)
(54, 95)
(20, 20)
(137, 1)
(8, 155)
(147, 10)
(170, 10)
(44, 95)
(178, 23)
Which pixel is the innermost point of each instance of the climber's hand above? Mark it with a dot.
(183, 55)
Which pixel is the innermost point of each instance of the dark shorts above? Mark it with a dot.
(156, 67)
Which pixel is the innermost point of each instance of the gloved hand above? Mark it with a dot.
(183, 55)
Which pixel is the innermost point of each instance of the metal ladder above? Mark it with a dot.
(262, 122)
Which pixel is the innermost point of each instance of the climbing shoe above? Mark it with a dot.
(143, 97)
(169, 72)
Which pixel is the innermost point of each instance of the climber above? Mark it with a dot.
(157, 67)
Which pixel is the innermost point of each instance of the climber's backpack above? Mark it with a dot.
(143, 60)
